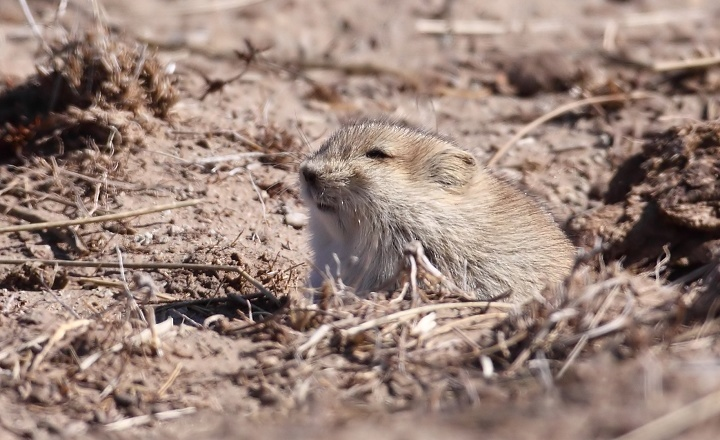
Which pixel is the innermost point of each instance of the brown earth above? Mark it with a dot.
(142, 104)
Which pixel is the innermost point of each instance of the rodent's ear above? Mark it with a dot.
(453, 168)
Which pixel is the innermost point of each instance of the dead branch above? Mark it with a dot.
(673, 424)
(149, 266)
(132, 422)
(56, 337)
(620, 97)
(500, 27)
(101, 218)
(404, 314)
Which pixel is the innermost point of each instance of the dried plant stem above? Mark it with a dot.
(22, 213)
(424, 309)
(118, 285)
(168, 383)
(372, 69)
(119, 184)
(131, 305)
(673, 424)
(314, 339)
(503, 346)
(259, 195)
(709, 328)
(34, 217)
(149, 266)
(619, 97)
(19, 192)
(487, 27)
(174, 303)
(34, 26)
(24, 346)
(585, 338)
(701, 63)
(137, 340)
(695, 63)
(60, 11)
(143, 420)
(56, 337)
(235, 135)
(464, 322)
(235, 157)
(500, 27)
(101, 218)
(203, 7)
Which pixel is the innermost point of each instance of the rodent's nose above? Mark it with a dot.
(310, 176)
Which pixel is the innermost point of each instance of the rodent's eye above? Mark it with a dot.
(376, 153)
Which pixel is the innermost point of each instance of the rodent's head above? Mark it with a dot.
(378, 164)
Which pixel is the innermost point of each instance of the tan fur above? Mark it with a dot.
(375, 186)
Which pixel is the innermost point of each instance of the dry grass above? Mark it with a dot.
(426, 346)
(416, 354)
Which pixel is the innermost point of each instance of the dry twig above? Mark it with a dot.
(100, 218)
(404, 314)
(673, 424)
(132, 422)
(56, 337)
(34, 26)
(694, 63)
(168, 383)
(499, 27)
(30, 215)
(137, 340)
(149, 266)
(620, 97)
(202, 7)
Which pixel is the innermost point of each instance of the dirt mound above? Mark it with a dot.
(663, 202)
(528, 75)
(87, 91)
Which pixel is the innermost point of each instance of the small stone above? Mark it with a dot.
(203, 143)
(145, 239)
(41, 251)
(297, 220)
(175, 230)
(262, 194)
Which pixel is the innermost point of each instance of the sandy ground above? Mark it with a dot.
(324, 62)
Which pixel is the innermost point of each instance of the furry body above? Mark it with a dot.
(375, 186)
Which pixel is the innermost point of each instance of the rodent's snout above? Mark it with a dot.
(326, 179)
(310, 175)
(315, 189)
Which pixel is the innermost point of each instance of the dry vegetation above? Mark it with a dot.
(124, 353)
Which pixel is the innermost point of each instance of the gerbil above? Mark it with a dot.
(374, 186)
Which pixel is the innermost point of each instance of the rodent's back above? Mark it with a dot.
(523, 249)
(373, 187)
